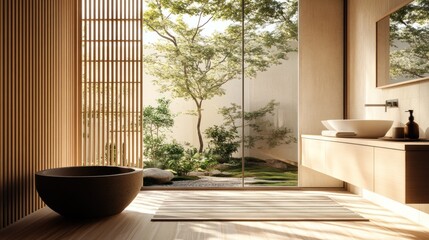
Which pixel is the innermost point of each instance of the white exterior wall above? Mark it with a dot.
(279, 83)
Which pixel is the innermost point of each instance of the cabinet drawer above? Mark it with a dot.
(313, 155)
(350, 163)
(389, 167)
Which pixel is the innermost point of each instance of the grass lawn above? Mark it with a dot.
(264, 175)
(272, 176)
(274, 184)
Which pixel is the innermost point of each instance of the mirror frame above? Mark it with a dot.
(382, 64)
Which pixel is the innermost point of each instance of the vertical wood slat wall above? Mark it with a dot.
(111, 82)
(39, 85)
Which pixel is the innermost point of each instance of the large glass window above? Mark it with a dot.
(215, 102)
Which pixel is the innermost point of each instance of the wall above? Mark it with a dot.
(361, 68)
(363, 16)
(38, 92)
(320, 74)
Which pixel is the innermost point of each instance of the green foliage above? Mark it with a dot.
(207, 161)
(156, 122)
(157, 119)
(172, 152)
(167, 155)
(222, 142)
(262, 130)
(410, 26)
(161, 154)
(186, 163)
(192, 62)
(190, 160)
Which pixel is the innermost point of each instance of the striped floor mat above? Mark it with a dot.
(253, 208)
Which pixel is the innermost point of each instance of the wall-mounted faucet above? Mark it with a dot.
(392, 103)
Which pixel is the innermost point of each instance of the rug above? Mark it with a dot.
(253, 208)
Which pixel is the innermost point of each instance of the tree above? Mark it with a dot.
(199, 46)
(410, 26)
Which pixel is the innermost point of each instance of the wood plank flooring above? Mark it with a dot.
(135, 223)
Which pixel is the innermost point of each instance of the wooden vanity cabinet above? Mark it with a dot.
(397, 170)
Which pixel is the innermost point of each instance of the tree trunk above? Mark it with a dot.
(200, 136)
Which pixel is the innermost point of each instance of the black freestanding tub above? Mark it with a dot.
(89, 191)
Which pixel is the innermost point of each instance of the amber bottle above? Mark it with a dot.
(411, 128)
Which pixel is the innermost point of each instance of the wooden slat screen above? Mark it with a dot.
(39, 85)
(111, 82)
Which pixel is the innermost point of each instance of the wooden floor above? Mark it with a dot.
(134, 223)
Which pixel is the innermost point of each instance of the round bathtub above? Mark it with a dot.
(89, 191)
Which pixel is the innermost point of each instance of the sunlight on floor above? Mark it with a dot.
(135, 222)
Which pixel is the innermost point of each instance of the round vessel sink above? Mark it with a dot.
(362, 127)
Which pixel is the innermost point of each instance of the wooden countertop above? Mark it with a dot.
(404, 146)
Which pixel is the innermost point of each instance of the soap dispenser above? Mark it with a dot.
(411, 128)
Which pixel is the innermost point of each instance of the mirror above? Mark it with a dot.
(403, 45)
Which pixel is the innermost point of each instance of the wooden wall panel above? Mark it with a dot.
(362, 66)
(2, 95)
(39, 85)
(320, 74)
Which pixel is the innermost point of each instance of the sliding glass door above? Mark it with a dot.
(271, 84)
(223, 75)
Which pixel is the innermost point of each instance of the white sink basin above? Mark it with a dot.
(362, 128)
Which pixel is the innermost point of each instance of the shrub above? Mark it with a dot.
(171, 152)
(191, 160)
(223, 142)
(187, 163)
(156, 122)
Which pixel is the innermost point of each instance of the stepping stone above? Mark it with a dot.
(156, 176)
